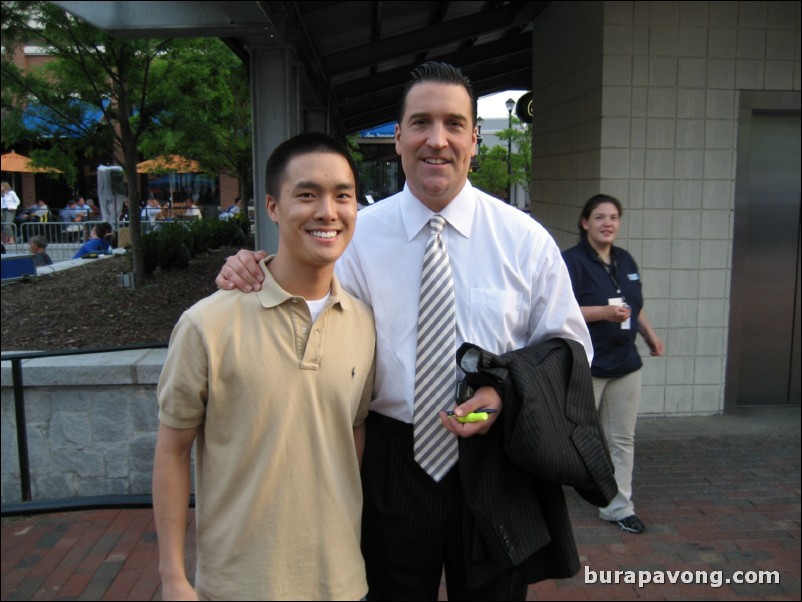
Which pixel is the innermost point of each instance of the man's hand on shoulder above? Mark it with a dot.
(242, 271)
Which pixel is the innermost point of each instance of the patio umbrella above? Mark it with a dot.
(171, 164)
(14, 162)
(167, 163)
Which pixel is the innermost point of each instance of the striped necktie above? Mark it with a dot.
(436, 448)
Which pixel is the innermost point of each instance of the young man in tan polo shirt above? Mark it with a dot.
(273, 388)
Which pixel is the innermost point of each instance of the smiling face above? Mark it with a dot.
(315, 210)
(436, 139)
(602, 226)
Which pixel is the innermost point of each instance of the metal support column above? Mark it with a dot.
(276, 110)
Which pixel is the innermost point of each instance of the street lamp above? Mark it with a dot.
(475, 158)
(510, 104)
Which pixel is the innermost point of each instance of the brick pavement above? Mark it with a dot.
(712, 503)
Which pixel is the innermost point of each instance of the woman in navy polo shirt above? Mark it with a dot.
(607, 286)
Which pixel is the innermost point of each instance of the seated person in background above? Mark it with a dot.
(37, 245)
(41, 211)
(37, 212)
(191, 211)
(165, 214)
(68, 214)
(26, 215)
(94, 211)
(82, 210)
(236, 208)
(150, 210)
(98, 241)
(233, 211)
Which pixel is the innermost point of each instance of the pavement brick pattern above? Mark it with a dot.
(710, 503)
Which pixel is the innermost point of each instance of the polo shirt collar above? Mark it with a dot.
(458, 213)
(272, 295)
(585, 245)
(591, 252)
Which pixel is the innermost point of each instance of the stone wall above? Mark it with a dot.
(92, 422)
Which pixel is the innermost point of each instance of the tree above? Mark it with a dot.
(521, 135)
(204, 92)
(491, 171)
(353, 148)
(90, 70)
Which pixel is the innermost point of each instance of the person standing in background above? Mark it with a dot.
(10, 203)
(607, 285)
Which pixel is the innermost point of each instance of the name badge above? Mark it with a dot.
(625, 325)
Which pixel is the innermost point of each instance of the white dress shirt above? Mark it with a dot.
(149, 213)
(512, 287)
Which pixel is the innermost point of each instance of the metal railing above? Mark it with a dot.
(28, 505)
(63, 238)
(71, 233)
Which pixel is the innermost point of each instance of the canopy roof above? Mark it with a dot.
(355, 55)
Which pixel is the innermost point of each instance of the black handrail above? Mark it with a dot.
(28, 505)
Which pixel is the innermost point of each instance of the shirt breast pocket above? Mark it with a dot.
(495, 317)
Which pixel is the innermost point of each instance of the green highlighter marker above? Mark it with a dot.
(478, 416)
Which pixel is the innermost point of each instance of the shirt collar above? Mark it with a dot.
(591, 252)
(272, 295)
(459, 212)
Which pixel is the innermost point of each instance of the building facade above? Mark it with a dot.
(673, 107)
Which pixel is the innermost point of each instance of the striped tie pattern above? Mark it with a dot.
(435, 369)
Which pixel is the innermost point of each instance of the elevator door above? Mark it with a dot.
(764, 336)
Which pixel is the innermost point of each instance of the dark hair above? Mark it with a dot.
(591, 204)
(440, 73)
(103, 229)
(302, 144)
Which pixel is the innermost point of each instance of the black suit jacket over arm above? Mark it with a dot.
(547, 435)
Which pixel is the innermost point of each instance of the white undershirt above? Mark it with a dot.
(317, 305)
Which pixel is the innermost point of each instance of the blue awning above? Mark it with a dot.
(383, 131)
(46, 123)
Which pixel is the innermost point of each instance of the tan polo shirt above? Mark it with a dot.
(276, 397)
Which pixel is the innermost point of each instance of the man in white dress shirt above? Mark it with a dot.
(150, 210)
(512, 290)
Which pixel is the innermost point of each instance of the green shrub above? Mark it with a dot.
(198, 237)
(238, 236)
(151, 251)
(218, 233)
(172, 245)
(174, 253)
(243, 222)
